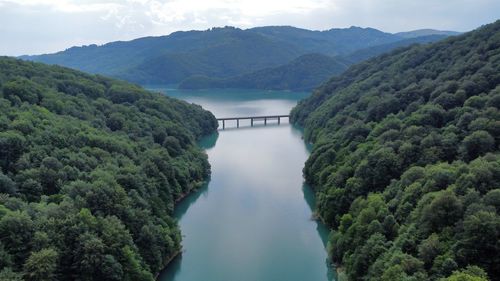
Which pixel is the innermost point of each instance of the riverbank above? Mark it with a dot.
(196, 186)
(168, 261)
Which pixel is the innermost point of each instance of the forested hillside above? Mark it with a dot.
(425, 32)
(406, 161)
(216, 53)
(90, 169)
(303, 73)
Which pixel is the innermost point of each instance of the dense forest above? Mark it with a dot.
(90, 169)
(406, 163)
(216, 53)
(303, 73)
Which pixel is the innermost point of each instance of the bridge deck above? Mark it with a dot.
(252, 119)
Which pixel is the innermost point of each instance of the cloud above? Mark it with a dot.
(66, 6)
(38, 26)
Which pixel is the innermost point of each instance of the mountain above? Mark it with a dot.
(217, 53)
(425, 32)
(168, 59)
(332, 42)
(303, 73)
(364, 54)
(406, 162)
(90, 169)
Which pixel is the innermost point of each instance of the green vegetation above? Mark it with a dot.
(216, 53)
(303, 73)
(406, 161)
(90, 169)
(425, 32)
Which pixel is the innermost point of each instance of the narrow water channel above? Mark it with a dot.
(252, 221)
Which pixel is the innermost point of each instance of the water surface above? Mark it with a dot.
(252, 221)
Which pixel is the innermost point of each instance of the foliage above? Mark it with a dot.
(218, 53)
(472, 273)
(405, 161)
(303, 73)
(90, 169)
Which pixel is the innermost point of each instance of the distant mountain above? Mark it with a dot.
(425, 32)
(221, 53)
(168, 59)
(364, 54)
(336, 41)
(304, 73)
(218, 52)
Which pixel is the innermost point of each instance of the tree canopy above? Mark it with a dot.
(90, 170)
(405, 161)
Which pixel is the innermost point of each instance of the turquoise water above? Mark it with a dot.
(252, 221)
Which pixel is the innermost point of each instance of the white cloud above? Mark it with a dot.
(67, 6)
(36, 26)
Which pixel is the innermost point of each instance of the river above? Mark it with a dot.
(252, 221)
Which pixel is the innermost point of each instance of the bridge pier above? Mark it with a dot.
(223, 124)
(237, 123)
(251, 122)
(279, 118)
(265, 121)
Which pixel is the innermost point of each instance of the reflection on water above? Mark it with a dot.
(252, 221)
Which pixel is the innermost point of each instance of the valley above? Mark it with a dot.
(260, 152)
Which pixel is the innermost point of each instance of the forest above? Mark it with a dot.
(303, 73)
(229, 52)
(90, 170)
(406, 163)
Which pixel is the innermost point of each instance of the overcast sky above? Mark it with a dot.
(44, 26)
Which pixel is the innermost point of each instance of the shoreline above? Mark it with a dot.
(196, 187)
(182, 196)
(169, 260)
(340, 273)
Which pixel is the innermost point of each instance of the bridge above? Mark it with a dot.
(253, 119)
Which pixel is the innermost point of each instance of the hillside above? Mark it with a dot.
(405, 161)
(332, 42)
(303, 73)
(90, 169)
(425, 32)
(364, 54)
(217, 52)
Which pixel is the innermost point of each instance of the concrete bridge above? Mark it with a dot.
(253, 119)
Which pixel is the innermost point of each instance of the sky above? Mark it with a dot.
(47, 26)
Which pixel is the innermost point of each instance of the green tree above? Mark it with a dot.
(16, 234)
(41, 265)
(478, 143)
(471, 273)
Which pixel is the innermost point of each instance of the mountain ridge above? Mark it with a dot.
(303, 73)
(216, 52)
(426, 32)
